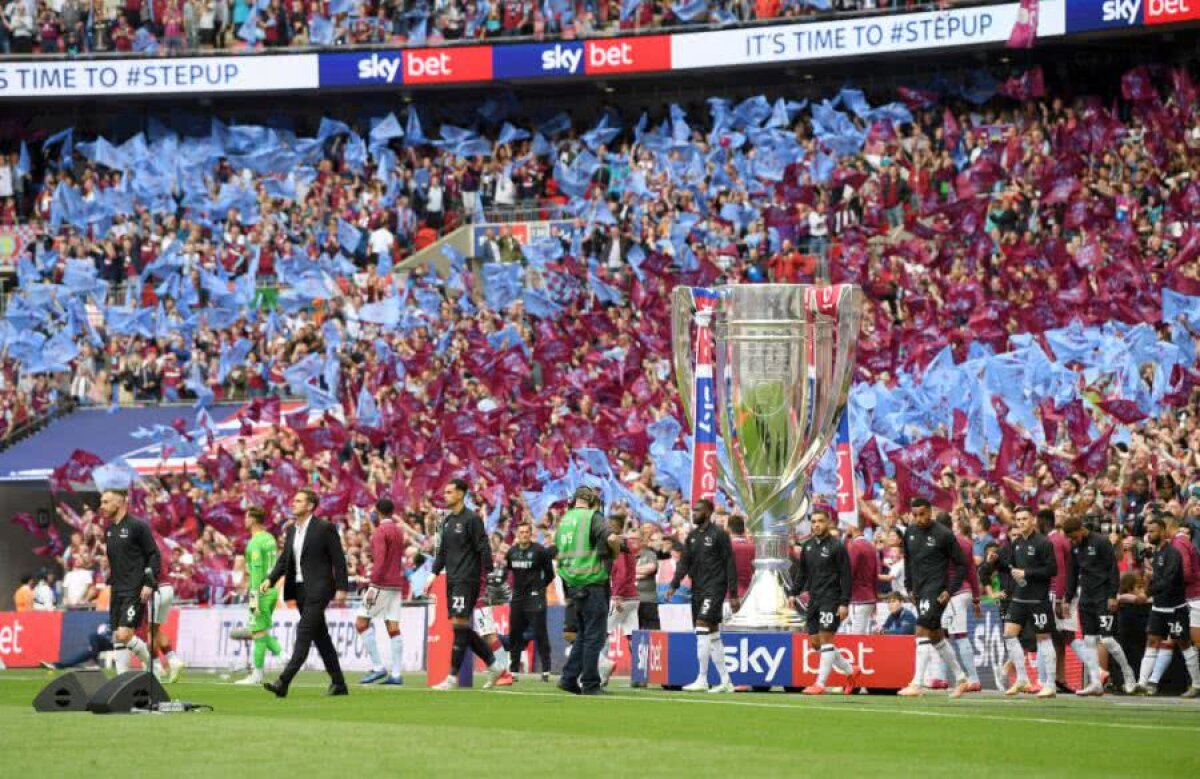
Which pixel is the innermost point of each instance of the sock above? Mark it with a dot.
(480, 648)
(140, 651)
(1016, 655)
(1116, 652)
(953, 672)
(163, 660)
(939, 670)
(827, 653)
(461, 639)
(1047, 661)
(260, 653)
(1081, 651)
(923, 653)
(171, 655)
(1191, 659)
(498, 649)
(121, 657)
(966, 657)
(397, 650)
(1091, 658)
(1147, 665)
(841, 664)
(1162, 663)
(716, 652)
(703, 650)
(368, 639)
(273, 645)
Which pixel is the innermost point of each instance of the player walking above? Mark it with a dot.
(133, 559)
(708, 558)
(1169, 618)
(1093, 573)
(956, 620)
(466, 556)
(1033, 568)
(261, 552)
(823, 571)
(162, 600)
(929, 549)
(864, 577)
(385, 596)
(532, 567)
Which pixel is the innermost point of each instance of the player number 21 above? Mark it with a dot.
(459, 602)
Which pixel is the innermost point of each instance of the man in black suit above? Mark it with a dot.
(313, 567)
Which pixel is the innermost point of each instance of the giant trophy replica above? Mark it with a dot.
(782, 362)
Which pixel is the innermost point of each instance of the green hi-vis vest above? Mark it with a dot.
(579, 563)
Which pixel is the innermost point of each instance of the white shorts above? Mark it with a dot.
(862, 619)
(164, 598)
(482, 621)
(1194, 613)
(1069, 624)
(388, 605)
(623, 616)
(955, 617)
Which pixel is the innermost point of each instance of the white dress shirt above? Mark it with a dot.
(298, 547)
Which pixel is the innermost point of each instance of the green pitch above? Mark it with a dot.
(534, 730)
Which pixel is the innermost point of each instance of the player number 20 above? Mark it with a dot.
(826, 618)
(458, 602)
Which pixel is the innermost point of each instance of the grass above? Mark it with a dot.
(534, 730)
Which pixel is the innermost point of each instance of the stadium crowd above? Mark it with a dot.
(982, 216)
(173, 26)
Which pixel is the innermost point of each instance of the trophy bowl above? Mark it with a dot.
(783, 363)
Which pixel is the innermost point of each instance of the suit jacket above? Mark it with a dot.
(322, 562)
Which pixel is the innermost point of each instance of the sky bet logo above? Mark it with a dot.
(379, 68)
(1120, 11)
(562, 59)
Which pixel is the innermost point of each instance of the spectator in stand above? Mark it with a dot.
(900, 620)
(743, 553)
(23, 597)
(45, 593)
(78, 592)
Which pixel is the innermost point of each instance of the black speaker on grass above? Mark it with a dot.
(128, 691)
(70, 692)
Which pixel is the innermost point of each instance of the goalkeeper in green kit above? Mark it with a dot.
(261, 551)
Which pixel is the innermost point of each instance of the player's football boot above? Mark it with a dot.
(1092, 690)
(960, 689)
(1047, 692)
(974, 687)
(813, 689)
(494, 672)
(938, 684)
(255, 677)
(1017, 688)
(394, 681)
(374, 676)
(545, 676)
(723, 687)
(852, 684)
(446, 684)
(177, 667)
(911, 691)
(700, 685)
(1033, 689)
(1130, 688)
(505, 679)
(1192, 692)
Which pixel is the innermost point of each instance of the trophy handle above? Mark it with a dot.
(683, 308)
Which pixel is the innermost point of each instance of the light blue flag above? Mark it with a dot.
(413, 134)
(511, 134)
(116, 475)
(629, 9)
(1176, 305)
(319, 399)
(249, 31)
(320, 31)
(539, 304)
(386, 130)
(385, 312)
(605, 293)
(23, 164)
(340, 7)
(664, 433)
(501, 284)
(690, 10)
(367, 411)
(349, 237)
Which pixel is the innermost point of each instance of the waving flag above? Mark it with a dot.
(704, 409)
(1024, 31)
